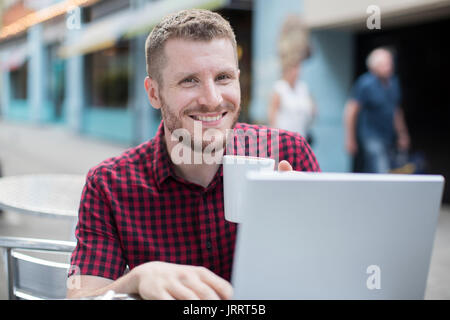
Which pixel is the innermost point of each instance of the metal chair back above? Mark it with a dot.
(32, 278)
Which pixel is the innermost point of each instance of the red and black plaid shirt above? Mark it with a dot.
(135, 209)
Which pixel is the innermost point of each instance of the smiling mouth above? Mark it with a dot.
(208, 118)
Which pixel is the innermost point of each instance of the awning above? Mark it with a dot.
(96, 36)
(13, 58)
(128, 24)
(150, 15)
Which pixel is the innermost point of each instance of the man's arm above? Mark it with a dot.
(98, 245)
(403, 140)
(87, 286)
(350, 116)
(157, 280)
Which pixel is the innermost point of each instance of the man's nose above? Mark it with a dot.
(211, 95)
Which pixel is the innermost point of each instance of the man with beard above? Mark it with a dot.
(163, 218)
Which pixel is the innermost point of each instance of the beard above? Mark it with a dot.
(217, 139)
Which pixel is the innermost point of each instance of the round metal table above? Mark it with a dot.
(56, 195)
(51, 195)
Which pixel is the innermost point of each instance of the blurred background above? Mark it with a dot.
(72, 93)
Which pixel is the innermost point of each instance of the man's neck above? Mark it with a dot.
(201, 174)
(384, 80)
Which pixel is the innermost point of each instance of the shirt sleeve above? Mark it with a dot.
(357, 92)
(295, 150)
(98, 251)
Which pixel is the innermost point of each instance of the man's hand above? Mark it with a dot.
(168, 281)
(351, 112)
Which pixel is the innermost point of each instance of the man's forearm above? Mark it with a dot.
(95, 286)
(403, 140)
(350, 115)
(400, 123)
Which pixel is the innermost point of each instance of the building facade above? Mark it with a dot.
(81, 63)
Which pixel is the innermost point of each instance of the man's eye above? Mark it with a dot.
(223, 77)
(188, 80)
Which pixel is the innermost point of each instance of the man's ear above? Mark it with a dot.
(152, 89)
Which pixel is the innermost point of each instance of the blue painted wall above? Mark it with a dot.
(18, 110)
(328, 74)
(268, 17)
(110, 124)
(5, 93)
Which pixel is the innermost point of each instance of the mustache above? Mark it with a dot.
(205, 109)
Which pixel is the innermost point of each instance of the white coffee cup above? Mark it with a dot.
(235, 169)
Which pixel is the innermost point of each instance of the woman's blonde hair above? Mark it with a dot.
(293, 42)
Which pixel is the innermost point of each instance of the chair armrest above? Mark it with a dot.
(36, 244)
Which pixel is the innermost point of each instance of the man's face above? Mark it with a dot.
(384, 65)
(200, 86)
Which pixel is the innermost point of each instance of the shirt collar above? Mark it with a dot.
(163, 166)
(162, 163)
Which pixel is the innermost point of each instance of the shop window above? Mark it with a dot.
(19, 85)
(108, 76)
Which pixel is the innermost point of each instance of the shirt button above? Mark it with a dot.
(208, 245)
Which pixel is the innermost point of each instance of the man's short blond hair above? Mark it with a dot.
(191, 24)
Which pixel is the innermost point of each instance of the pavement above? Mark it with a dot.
(26, 148)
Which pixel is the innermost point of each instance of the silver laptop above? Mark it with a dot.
(336, 236)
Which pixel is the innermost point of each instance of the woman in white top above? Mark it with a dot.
(292, 107)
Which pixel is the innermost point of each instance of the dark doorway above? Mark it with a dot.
(422, 57)
(239, 14)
